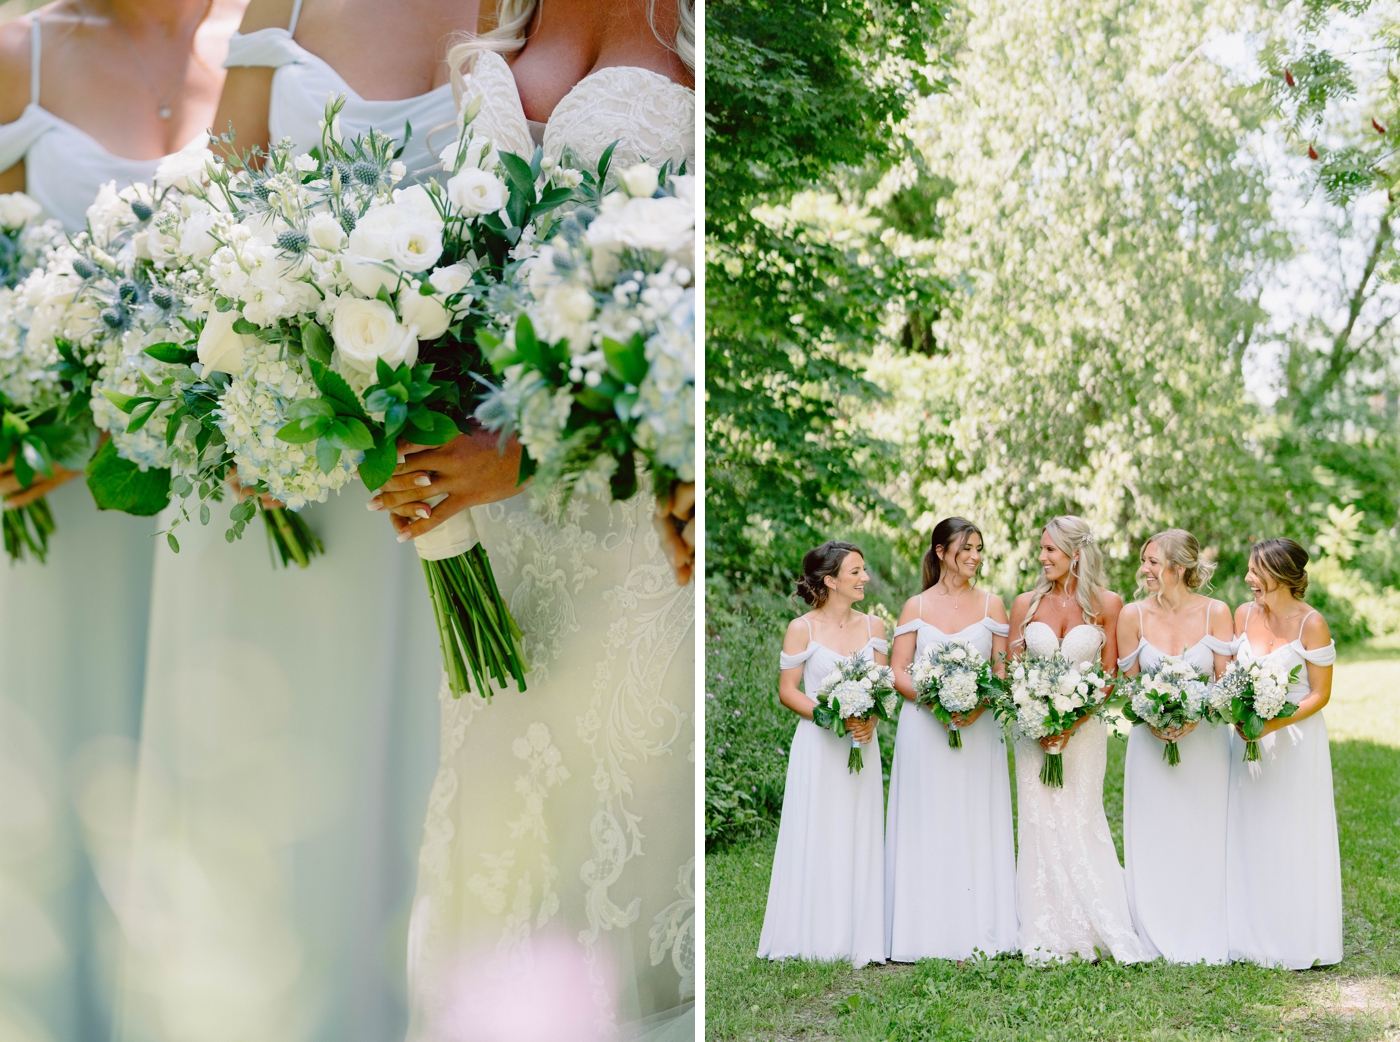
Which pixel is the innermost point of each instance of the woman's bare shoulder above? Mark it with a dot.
(266, 14)
(14, 68)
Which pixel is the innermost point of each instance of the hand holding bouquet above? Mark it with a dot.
(1169, 696)
(952, 680)
(857, 689)
(1047, 696)
(1249, 695)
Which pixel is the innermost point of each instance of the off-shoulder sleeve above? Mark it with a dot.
(1128, 660)
(1323, 656)
(266, 48)
(1000, 629)
(879, 644)
(786, 661)
(1221, 647)
(17, 137)
(909, 627)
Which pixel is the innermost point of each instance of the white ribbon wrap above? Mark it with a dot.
(452, 538)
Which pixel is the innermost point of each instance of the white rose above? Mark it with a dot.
(427, 313)
(17, 210)
(450, 279)
(325, 232)
(220, 348)
(368, 274)
(640, 181)
(185, 169)
(367, 330)
(416, 202)
(416, 244)
(475, 192)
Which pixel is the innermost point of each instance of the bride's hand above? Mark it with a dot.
(15, 497)
(675, 524)
(1056, 742)
(469, 470)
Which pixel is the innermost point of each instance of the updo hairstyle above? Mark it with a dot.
(817, 564)
(1180, 549)
(952, 533)
(1283, 561)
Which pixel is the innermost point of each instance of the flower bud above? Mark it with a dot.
(84, 268)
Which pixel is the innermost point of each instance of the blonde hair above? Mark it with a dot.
(1072, 536)
(513, 18)
(1180, 549)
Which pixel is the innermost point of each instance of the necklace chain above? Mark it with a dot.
(163, 109)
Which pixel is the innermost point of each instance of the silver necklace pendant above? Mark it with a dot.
(164, 112)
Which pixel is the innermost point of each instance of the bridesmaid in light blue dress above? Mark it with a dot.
(73, 631)
(289, 735)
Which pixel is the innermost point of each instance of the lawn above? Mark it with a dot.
(1001, 999)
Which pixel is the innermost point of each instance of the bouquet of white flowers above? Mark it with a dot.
(596, 341)
(856, 689)
(1170, 695)
(953, 678)
(1047, 695)
(1251, 695)
(29, 392)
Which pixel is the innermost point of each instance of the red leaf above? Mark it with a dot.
(1288, 78)
(1379, 129)
(1312, 152)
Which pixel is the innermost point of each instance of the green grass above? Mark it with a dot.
(1001, 999)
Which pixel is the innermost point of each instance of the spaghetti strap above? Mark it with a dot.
(36, 46)
(296, 13)
(808, 621)
(1306, 617)
(870, 633)
(1142, 627)
(921, 605)
(986, 605)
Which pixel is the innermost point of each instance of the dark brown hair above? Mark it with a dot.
(817, 564)
(1283, 561)
(952, 533)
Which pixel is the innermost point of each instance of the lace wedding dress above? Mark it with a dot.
(560, 832)
(1069, 885)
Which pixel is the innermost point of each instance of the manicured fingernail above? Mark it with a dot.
(404, 537)
(401, 457)
(375, 504)
(423, 512)
(422, 479)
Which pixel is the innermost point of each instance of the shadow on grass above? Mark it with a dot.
(1001, 999)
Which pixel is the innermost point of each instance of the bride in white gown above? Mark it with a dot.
(1070, 893)
(556, 875)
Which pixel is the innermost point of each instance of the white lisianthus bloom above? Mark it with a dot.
(185, 170)
(305, 163)
(17, 210)
(220, 348)
(425, 312)
(1062, 703)
(325, 232)
(1069, 682)
(416, 244)
(451, 279)
(640, 181)
(475, 192)
(415, 202)
(367, 330)
(959, 654)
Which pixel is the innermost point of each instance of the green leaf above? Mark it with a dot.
(174, 543)
(379, 463)
(242, 325)
(528, 466)
(526, 344)
(118, 484)
(627, 361)
(518, 174)
(429, 428)
(327, 456)
(140, 414)
(315, 342)
(124, 402)
(349, 433)
(591, 398)
(334, 387)
(299, 432)
(172, 353)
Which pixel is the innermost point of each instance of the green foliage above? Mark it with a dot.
(797, 95)
(119, 484)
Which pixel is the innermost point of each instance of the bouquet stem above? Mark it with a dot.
(1052, 771)
(1251, 751)
(289, 538)
(954, 738)
(856, 760)
(27, 530)
(1171, 754)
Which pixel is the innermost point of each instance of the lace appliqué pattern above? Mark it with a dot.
(673, 930)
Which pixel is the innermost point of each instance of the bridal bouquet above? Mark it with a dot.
(29, 395)
(596, 350)
(1170, 695)
(953, 678)
(857, 689)
(1250, 695)
(1047, 696)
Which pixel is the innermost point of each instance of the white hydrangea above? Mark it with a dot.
(250, 414)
